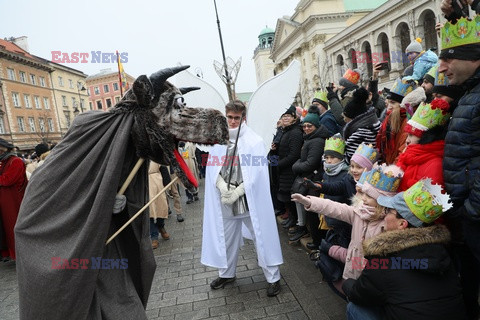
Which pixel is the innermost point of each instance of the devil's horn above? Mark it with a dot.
(159, 77)
(185, 90)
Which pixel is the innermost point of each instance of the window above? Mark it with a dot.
(88, 92)
(60, 81)
(105, 88)
(109, 103)
(91, 106)
(21, 124)
(33, 79)
(97, 91)
(50, 124)
(42, 81)
(99, 105)
(74, 102)
(16, 99)
(67, 118)
(45, 103)
(70, 83)
(2, 128)
(36, 100)
(64, 101)
(41, 123)
(26, 97)
(82, 104)
(31, 122)
(115, 86)
(23, 76)
(11, 74)
(117, 99)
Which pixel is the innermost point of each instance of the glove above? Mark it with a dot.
(311, 185)
(234, 195)
(297, 197)
(325, 246)
(331, 94)
(222, 185)
(119, 205)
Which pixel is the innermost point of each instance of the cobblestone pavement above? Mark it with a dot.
(181, 285)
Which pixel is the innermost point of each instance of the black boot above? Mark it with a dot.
(301, 232)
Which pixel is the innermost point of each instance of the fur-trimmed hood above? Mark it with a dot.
(395, 241)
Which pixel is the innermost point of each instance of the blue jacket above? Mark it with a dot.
(422, 64)
(328, 120)
(461, 163)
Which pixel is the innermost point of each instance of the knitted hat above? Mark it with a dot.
(291, 111)
(41, 149)
(421, 203)
(382, 180)
(335, 146)
(313, 116)
(321, 97)
(428, 116)
(358, 104)
(4, 143)
(350, 78)
(460, 40)
(365, 156)
(415, 46)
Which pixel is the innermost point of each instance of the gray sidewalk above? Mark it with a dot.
(181, 285)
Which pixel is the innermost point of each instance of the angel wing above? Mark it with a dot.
(271, 99)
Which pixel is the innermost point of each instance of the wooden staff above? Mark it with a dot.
(130, 176)
(141, 210)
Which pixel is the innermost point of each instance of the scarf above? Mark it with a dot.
(417, 154)
(334, 169)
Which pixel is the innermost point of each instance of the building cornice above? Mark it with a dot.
(24, 60)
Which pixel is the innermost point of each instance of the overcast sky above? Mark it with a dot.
(155, 34)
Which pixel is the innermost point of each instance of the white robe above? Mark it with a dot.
(257, 190)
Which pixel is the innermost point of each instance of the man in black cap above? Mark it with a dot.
(12, 188)
(460, 61)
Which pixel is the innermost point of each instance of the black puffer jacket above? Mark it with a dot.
(289, 150)
(312, 152)
(410, 275)
(461, 162)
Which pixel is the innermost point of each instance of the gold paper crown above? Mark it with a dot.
(464, 32)
(335, 143)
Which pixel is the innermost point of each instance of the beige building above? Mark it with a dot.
(104, 89)
(264, 66)
(27, 114)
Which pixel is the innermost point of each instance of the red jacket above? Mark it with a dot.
(422, 161)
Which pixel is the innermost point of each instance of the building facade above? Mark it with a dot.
(264, 66)
(103, 89)
(27, 115)
(329, 36)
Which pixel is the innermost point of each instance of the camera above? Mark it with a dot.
(460, 7)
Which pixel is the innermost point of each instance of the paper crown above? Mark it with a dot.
(432, 72)
(352, 76)
(384, 181)
(321, 95)
(367, 151)
(465, 31)
(426, 200)
(335, 144)
(428, 116)
(440, 78)
(401, 88)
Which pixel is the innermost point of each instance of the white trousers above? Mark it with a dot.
(233, 242)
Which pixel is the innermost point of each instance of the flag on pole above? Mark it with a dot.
(122, 77)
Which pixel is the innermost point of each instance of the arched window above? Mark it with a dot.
(351, 54)
(340, 66)
(402, 35)
(428, 33)
(367, 58)
(383, 48)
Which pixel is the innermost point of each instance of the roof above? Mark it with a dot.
(12, 47)
(101, 74)
(266, 30)
(356, 5)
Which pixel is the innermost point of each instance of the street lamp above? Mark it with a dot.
(80, 87)
(76, 111)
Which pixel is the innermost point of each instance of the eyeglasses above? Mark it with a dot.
(307, 125)
(236, 119)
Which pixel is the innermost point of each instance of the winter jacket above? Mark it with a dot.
(461, 163)
(344, 186)
(311, 153)
(363, 128)
(391, 144)
(422, 64)
(289, 149)
(365, 225)
(410, 274)
(378, 102)
(337, 105)
(421, 161)
(328, 120)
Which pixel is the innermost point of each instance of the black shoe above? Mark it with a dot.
(292, 230)
(312, 246)
(284, 222)
(180, 218)
(273, 289)
(221, 282)
(189, 201)
(195, 198)
(290, 224)
(301, 232)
